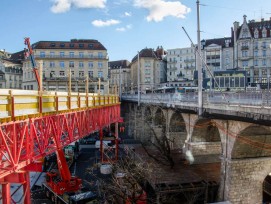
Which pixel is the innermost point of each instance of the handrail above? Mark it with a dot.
(21, 104)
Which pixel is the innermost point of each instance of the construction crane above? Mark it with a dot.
(29, 53)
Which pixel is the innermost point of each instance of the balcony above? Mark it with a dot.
(91, 79)
(244, 47)
(71, 57)
(189, 60)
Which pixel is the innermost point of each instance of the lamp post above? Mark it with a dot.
(138, 80)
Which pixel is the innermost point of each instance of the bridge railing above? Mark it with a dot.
(21, 104)
(255, 98)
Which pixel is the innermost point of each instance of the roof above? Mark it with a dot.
(1, 72)
(118, 64)
(149, 52)
(17, 57)
(81, 44)
(259, 25)
(219, 41)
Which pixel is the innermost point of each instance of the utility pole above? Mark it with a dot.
(138, 80)
(199, 68)
(120, 91)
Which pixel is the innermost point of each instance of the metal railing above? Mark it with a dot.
(253, 98)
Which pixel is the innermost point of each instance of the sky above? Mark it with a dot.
(124, 27)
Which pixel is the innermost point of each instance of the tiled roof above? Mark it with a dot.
(73, 44)
(117, 64)
(17, 57)
(1, 72)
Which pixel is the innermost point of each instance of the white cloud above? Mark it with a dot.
(159, 9)
(123, 29)
(128, 14)
(101, 23)
(62, 6)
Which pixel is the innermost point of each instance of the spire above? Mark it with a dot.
(245, 18)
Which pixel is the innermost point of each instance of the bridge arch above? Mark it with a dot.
(205, 139)
(252, 142)
(177, 130)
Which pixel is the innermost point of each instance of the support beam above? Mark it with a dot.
(6, 193)
(26, 189)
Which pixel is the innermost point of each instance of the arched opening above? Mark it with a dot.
(177, 131)
(206, 142)
(252, 142)
(205, 131)
(267, 189)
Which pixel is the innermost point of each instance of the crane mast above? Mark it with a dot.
(29, 53)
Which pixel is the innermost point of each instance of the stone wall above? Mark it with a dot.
(204, 148)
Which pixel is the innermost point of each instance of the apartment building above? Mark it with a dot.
(119, 74)
(181, 64)
(11, 73)
(151, 65)
(252, 50)
(84, 59)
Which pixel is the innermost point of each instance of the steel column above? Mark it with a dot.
(26, 188)
(6, 193)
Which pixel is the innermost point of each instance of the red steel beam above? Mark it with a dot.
(28, 141)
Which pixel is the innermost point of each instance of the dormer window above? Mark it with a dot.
(264, 33)
(256, 33)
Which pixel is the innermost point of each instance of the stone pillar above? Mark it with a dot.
(190, 121)
(244, 181)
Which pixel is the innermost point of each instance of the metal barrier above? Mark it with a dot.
(21, 104)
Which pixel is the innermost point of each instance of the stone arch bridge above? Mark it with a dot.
(241, 138)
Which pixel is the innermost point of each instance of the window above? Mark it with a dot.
(81, 64)
(90, 64)
(90, 45)
(52, 64)
(42, 54)
(100, 65)
(81, 73)
(52, 73)
(90, 55)
(255, 62)
(90, 74)
(264, 53)
(52, 54)
(81, 54)
(71, 63)
(52, 44)
(256, 34)
(62, 45)
(62, 64)
(71, 54)
(100, 55)
(244, 53)
(245, 63)
(264, 62)
(81, 45)
(72, 72)
(62, 54)
(264, 44)
(256, 53)
(71, 45)
(61, 73)
(100, 74)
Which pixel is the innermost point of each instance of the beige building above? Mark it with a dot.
(119, 76)
(83, 58)
(11, 73)
(152, 69)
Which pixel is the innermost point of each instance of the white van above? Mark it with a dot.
(106, 144)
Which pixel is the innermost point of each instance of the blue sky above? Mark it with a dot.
(122, 26)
